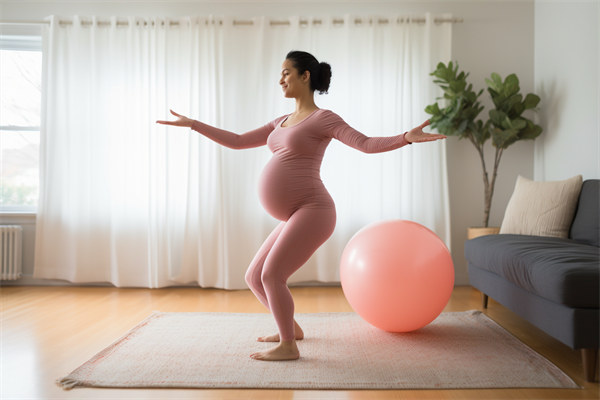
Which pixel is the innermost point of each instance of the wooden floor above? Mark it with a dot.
(49, 331)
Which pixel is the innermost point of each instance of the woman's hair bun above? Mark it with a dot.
(324, 78)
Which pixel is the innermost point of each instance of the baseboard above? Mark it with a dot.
(29, 280)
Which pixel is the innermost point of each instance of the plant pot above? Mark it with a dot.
(476, 231)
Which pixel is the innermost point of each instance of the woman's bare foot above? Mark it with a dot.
(286, 350)
(299, 335)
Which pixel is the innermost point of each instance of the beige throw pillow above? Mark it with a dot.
(542, 208)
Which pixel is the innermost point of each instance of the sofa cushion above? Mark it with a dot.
(542, 208)
(560, 270)
(586, 224)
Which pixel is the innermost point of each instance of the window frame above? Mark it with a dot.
(17, 37)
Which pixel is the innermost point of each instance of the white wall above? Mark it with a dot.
(567, 45)
(496, 36)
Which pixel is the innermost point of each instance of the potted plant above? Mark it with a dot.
(505, 125)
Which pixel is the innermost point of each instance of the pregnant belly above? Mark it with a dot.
(284, 190)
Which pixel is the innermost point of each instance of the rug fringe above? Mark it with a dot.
(67, 383)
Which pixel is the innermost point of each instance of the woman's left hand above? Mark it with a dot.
(180, 121)
(416, 135)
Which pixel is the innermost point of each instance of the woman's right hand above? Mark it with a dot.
(180, 121)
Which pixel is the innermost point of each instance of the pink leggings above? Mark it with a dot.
(286, 249)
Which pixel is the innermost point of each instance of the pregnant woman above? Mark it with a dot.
(291, 189)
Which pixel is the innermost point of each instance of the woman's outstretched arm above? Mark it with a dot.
(353, 138)
(255, 138)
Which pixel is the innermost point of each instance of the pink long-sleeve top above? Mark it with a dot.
(291, 179)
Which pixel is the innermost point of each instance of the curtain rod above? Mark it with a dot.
(316, 21)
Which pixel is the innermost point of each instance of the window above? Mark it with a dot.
(20, 105)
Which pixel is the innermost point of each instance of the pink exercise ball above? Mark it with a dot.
(397, 275)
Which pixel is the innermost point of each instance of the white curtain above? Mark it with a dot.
(129, 202)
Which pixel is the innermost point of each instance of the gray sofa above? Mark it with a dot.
(551, 282)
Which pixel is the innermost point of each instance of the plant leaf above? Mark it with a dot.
(502, 138)
(531, 101)
(497, 116)
(518, 124)
(531, 131)
(511, 85)
(433, 109)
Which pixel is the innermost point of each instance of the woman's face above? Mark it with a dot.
(291, 82)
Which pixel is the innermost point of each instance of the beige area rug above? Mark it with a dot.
(340, 351)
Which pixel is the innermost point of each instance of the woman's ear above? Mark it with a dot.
(306, 76)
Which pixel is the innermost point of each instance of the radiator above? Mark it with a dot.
(11, 239)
